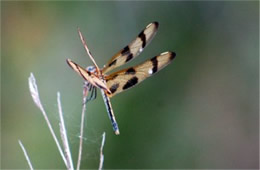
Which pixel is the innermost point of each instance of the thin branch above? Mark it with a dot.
(26, 155)
(85, 94)
(64, 137)
(36, 98)
(101, 151)
(87, 50)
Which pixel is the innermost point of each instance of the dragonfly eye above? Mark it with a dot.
(91, 69)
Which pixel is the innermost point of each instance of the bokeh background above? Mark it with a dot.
(201, 111)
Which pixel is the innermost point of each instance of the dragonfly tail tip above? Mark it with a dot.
(117, 132)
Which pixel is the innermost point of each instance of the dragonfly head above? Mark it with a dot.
(91, 69)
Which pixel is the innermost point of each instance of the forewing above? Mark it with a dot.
(133, 49)
(127, 78)
(88, 76)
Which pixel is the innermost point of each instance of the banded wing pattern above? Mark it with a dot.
(133, 49)
(88, 76)
(127, 78)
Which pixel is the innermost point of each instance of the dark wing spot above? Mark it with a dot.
(125, 51)
(129, 57)
(130, 83)
(155, 64)
(156, 24)
(112, 63)
(130, 71)
(143, 38)
(173, 55)
(114, 88)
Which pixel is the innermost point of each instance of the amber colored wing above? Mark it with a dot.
(127, 78)
(88, 76)
(133, 49)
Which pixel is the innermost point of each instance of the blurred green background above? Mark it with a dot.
(201, 111)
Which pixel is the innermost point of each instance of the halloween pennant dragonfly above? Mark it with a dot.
(119, 81)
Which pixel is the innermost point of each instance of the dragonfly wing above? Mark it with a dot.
(127, 78)
(133, 49)
(88, 76)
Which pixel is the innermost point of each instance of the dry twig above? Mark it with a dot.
(36, 98)
(101, 151)
(85, 93)
(64, 137)
(26, 155)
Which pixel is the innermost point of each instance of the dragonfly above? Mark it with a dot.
(122, 80)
